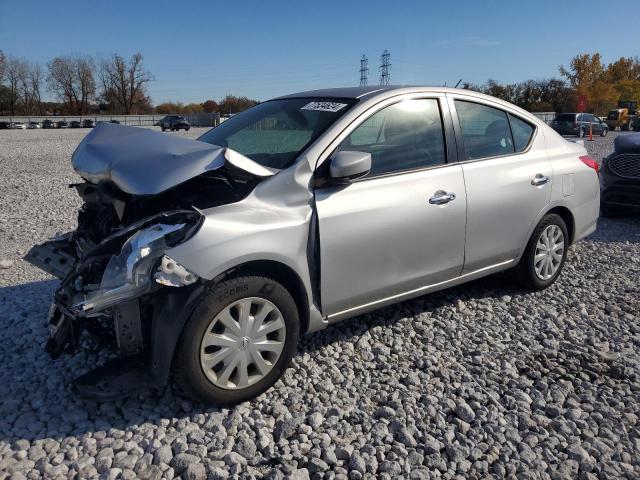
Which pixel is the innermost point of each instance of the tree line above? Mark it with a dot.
(80, 85)
(83, 86)
(229, 104)
(116, 85)
(602, 84)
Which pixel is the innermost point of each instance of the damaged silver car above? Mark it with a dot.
(204, 260)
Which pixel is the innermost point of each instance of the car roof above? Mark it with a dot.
(370, 91)
(381, 92)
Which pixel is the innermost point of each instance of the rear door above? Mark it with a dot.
(389, 233)
(508, 179)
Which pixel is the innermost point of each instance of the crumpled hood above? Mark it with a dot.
(141, 161)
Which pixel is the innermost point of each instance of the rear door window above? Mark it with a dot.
(485, 130)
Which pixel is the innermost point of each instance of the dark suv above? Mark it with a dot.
(578, 124)
(174, 122)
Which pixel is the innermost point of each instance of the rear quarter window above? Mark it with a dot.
(522, 133)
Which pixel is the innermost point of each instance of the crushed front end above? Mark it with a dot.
(142, 196)
(112, 288)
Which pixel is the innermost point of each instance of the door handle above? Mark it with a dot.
(441, 197)
(540, 180)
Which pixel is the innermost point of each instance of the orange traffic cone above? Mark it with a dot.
(590, 132)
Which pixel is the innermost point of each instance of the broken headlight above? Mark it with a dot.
(129, 273)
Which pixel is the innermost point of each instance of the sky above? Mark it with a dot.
(261, 49)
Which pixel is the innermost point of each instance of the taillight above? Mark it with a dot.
(590, 162)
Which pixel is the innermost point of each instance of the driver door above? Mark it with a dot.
(389, 233)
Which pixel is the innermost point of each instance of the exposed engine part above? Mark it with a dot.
(172, 274)
(126, 317)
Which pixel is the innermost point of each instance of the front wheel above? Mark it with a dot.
(581, 133)
(238, 341)
(545, 253)
(604, 132)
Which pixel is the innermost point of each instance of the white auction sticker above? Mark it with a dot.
(324, 106)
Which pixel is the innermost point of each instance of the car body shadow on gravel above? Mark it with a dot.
(38, 403)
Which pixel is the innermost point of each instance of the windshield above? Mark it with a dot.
(274, 133)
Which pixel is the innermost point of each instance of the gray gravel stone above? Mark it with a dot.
(480, 381)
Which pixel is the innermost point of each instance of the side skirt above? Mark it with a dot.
(367, 307)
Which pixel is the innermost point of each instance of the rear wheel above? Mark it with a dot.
(238, 341)
(546, 252)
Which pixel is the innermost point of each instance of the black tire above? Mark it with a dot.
(187, 129)
(525, 271)
(163, 129)
(187, 370)
(581, 133)
(604, 132)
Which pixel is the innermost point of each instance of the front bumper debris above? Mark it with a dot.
(63, 337)
(53, 256)
(133, 323)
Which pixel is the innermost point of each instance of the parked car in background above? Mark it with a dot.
(174, 123)
(75, 124)
(33, 125)
(48, 124)
(88, 123)
(62, 124)
(212, 256)
(5, 125)
(579, 124)
(19, 126)
(620, 174)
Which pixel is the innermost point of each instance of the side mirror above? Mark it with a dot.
(348, 165)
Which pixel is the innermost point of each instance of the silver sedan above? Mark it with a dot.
(210, 257)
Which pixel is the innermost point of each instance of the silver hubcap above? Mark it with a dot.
(549, 252)
(242, 343)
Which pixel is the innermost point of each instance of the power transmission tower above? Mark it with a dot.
(364, 70)
(385, 67)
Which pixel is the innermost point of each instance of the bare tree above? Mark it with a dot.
(124, 83)
(86, 82)
(72, 81)
(15, 71)
(3, 65)
(35, 79)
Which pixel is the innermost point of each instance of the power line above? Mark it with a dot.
(385, 67)
(364, 70)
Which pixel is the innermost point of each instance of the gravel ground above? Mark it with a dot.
(479, 380)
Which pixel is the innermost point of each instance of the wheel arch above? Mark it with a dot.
(172, 311)
(282, 274)
(567, 216)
